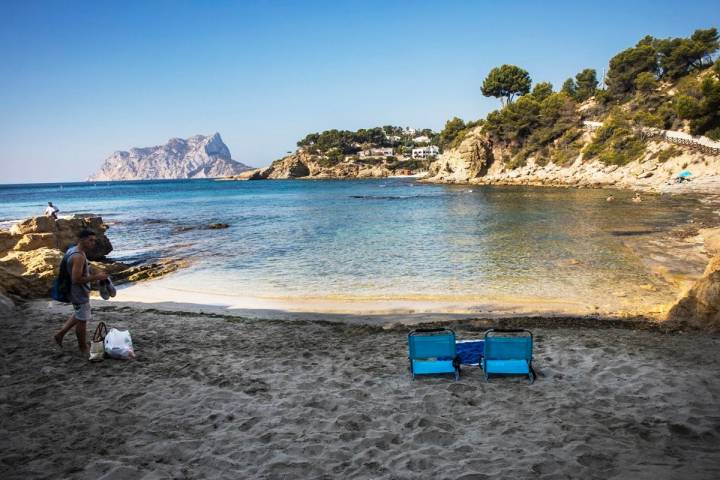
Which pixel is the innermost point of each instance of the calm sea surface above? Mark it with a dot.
(388, 239)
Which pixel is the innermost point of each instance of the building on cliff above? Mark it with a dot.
(425, 152)
(376, 152)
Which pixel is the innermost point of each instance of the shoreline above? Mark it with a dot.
(154, 293)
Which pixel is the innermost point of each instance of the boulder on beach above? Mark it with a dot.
(37, 232)
(31, 251)
(700, 306)
(29, 274)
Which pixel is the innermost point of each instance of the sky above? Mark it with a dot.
(80, 80)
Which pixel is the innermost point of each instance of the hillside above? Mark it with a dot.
(196, 157)
(365, 153)
(658, 115)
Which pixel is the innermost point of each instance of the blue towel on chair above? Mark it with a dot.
(469, 351)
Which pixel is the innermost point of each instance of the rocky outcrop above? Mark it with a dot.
(303, 164)
(31, 251)
(700, 306)
(196, 157)
(477, 161)
(470, 160)
(38, 232)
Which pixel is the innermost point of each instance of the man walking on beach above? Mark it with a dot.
(51, 211)
(81, 278)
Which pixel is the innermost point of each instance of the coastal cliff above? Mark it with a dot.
(652, 122)
(196, 157)
(303, 164)
(477, 160)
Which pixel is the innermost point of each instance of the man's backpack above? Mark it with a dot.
(61, 285)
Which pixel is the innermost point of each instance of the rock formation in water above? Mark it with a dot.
(196, 157)
(30, 254)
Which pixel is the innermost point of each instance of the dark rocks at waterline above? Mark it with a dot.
(212, 226)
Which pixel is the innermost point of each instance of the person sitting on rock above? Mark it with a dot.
(611, 198)
(636, 198)
(51, 211)
(81, 278)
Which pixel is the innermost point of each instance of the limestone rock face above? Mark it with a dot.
(196, 157)
(302, 164)
(700, 307)
(39, 232)
(470, 160)
(477, 161)
(31, 252)
(29, 274)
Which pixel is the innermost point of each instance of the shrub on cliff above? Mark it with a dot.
(454, 132)
(699, 102)
(666, 59)
(615, 143)
(529, 126)
(542, 90)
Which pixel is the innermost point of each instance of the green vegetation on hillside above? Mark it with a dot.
(615, 143)
(505, 82)
(659, 83)
(454, 132)
(336, 143)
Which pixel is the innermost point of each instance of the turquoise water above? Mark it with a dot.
(387, 239)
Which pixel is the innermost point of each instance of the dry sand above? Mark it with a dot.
(224, 397)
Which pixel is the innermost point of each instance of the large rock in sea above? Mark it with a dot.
(196, 157)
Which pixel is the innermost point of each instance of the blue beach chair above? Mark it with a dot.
(508, 354)
(432, 351)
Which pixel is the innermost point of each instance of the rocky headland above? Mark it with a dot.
(30, 254)
(196, 157)
(303, 164)
(477, 160)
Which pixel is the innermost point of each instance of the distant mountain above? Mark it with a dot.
(197, 157)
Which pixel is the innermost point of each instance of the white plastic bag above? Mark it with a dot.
(118, 344)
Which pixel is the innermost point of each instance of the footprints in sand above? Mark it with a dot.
(249, 404)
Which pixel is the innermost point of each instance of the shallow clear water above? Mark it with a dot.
(378, 239)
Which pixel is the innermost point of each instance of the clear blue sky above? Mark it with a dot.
(83, 79)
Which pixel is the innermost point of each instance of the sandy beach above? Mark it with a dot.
(214, 396)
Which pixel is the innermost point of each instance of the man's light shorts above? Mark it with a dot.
(82, 312)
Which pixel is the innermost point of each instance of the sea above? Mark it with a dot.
(392, 244)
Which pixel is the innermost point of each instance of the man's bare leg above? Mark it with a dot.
(81, 333)
(70, 323)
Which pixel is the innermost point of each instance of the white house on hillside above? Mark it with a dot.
(425, 152)
(376, 152)
(422, 139)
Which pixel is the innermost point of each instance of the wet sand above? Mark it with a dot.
(214, 396)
